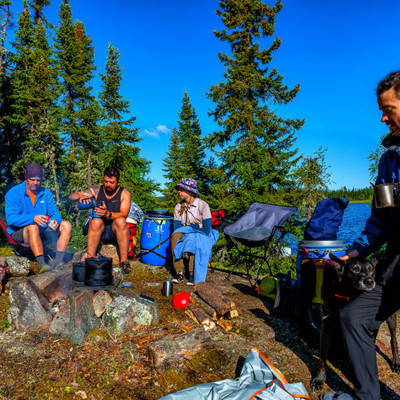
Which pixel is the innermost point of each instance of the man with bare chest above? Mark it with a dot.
(113, 204)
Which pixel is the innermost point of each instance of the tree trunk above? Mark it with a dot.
(89, 166)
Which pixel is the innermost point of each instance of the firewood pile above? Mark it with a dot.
(209, 308)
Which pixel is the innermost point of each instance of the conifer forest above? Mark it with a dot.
(50, 115)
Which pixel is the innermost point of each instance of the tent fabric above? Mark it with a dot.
(257, 224)
(325, 222)
(258, 380)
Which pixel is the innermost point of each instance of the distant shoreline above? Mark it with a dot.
(359, 201)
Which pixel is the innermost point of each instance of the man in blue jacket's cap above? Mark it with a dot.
(32, 217)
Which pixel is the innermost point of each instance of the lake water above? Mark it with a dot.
(354, 218)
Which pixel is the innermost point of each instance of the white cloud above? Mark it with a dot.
(156, 132)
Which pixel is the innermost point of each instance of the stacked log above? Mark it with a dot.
(209, 307)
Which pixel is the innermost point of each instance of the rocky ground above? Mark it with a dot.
(34, 365)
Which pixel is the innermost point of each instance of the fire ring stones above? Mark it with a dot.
(50, 301)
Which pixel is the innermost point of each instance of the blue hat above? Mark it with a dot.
(188, 184)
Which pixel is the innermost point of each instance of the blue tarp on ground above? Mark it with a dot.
(258, 380)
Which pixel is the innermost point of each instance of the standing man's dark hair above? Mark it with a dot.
(391, 80)
(112, 171)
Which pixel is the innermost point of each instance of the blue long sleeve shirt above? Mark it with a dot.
(20, 211)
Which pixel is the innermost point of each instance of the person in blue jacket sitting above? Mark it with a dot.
(32, 217)
(189, 212)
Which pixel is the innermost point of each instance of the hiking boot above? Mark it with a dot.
(44, 268)
(125, 267)
(190, 281)
(178, 278)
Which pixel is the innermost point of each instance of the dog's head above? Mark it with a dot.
(361, 273)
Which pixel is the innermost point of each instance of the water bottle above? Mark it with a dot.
(85, 204)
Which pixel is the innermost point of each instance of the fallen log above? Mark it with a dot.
(221, 304)
(199, 316)
(174, 350)
(196, 299)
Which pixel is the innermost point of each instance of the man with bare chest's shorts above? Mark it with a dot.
(113, 204)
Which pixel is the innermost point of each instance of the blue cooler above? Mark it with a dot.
(155, 241)
(318, 251)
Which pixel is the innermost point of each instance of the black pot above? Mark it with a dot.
(78, 272)
(98, 273)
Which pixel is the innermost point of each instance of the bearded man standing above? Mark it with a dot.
(361, 318)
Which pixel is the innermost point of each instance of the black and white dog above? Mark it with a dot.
(343, 280)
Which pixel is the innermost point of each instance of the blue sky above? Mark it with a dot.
(337, 51)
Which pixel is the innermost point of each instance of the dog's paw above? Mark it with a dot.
(317, 385)
(396, 367)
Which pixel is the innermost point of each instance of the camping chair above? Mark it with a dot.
(20, 248)
(255, 229)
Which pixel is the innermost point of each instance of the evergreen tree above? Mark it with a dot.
(37, 7)
(186, 156)
(119, 137)
(79, 108)
(257, 153)
(373, 158)
(9, 143)
(22, 101)
(35, 96)
(173, 169)
(312, 180)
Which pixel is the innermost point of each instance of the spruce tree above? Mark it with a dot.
(186, 155)
(255, 144)
(119, 137)
(35, 96)
(37, 8)
(79, 109)
(22, 101)
(173, 169)
(9, 142)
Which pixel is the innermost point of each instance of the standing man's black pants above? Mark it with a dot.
(360, 320)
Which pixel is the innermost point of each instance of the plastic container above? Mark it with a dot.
(155, 241)
(318, 251)
(85, 204)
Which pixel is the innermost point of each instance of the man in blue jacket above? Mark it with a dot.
(361, 318)
(32, 217)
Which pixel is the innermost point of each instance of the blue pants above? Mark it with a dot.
(360, 320)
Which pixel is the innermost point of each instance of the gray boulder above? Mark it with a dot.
(18, 266)
(29, 308)
(127, 311)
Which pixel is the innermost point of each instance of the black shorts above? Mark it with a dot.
(108, 236)
(47, 235)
